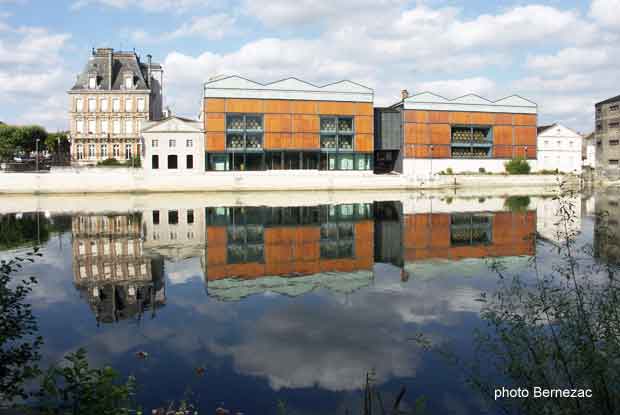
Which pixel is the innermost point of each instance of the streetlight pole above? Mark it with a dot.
(36, 146)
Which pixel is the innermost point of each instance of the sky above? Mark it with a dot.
(563, 55)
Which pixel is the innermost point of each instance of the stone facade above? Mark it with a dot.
(111, 99)
(607, 135)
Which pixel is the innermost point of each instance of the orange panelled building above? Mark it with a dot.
(256, 242)
(288, 124)
(464, 134)
(456, 236)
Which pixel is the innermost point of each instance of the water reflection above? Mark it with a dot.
(110, 269)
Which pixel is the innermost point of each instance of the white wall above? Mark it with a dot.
(181, 150)
(559, 148)
(423, 168)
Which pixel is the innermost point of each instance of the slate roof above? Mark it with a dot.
(121, 61)
(609, 100)
(543, 128)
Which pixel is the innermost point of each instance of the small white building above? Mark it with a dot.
(559, 148)
(173, 145)
(589, 151)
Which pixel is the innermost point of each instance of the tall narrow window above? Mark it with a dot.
(128, 126)
(155, 143)
(104, 126)
(92, 125)
(91, 151)
(173, 217)
(128, 81)
(156, 217)
(80, 152)
(116, 150)
(79, 126)
(190, 216)
(155, 161)
(172, 143)
(127, 151)
(116, 104)
(189, 143)
(103, 104)
(141, 105)
(104, 151)
(92, 105)
(117, 127)
(189, 161)
(128, 104)
(79, 104)
(92, 82)
(172, 161)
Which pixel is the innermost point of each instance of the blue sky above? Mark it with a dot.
(563, 55)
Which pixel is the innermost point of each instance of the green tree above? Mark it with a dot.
(9, 141)
(517, 166)
(53, 141)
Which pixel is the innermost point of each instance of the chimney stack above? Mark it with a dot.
(149, 60)
(110, 71)
(404, 94)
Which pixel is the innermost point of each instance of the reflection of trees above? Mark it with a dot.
(558, 330)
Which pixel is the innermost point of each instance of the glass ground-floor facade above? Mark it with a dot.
(287, 160)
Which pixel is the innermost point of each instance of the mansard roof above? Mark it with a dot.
(122, 62)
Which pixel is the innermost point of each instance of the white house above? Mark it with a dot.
(589, 155)
(559, 148)
(173, 145)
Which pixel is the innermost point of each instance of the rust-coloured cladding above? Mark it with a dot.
(289, 250)
(511, 132)
(288, 124)
(427, 236)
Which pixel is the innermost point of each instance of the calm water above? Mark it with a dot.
(292, 299)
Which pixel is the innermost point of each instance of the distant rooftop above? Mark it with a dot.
(469, 102)
(111, 78)
(609, 100)
(235, 86)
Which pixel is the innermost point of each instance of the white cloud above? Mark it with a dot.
(606, 11)
(573, 59)
(213, 27)
(146, 5)
(454, 88)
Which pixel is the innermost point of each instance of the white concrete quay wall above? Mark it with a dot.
(124, 180)
(424, 168)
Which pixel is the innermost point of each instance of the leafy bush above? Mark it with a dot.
(482, 170)
(109, 162)
(449, 170)
(517, 166)
(545, 171)
(517, 203)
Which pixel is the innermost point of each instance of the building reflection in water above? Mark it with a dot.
(288, 250)
(118, 260)
(110, 269)
(607, 227)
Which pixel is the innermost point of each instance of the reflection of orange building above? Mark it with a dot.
(477, 235)
(324, 239)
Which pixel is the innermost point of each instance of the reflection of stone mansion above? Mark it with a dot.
(110, 269)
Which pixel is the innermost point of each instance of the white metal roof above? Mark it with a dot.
(470, 102)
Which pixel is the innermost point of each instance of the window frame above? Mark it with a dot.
(337, 133)
(488, 143)
(245, 132)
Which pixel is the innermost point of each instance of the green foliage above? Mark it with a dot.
(482, 170)
(449, 171)
(517, 203)
(517, 166)
(109, 163)
(16, 232)
(76, 388)
(19, 345)
(16, 140)
(545, 171)
(53, 140)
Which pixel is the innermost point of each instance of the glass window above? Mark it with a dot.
(79, 126)
(189, 143)
(190, 216)
(172, 143)
(363, 162)
(173, 217)
(103, 105)
(92, 105)
(218, 162)
(80, 151)
(91, 126)
(337, 133)
(91, 151)
(104, 126)
(128, 151)
(471, 142)
(155, 143)
(128, 127)
(79, 104)
(172, 161)
(104, 151)
(116, 104)
(128, 104)
(332, 162)
(345, 161)
(117, 126)
(244, 131)
(116, 150)
(155, 161)
(141, 106)
(128, 81)
(156, 217)
(189, 161)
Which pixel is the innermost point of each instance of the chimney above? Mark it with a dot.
(404, 94)
(149, 60)
(110, 69)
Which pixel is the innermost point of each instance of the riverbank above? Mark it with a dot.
(127, 180)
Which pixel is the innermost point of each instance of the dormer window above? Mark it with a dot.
(92, 82)
(128, 80)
